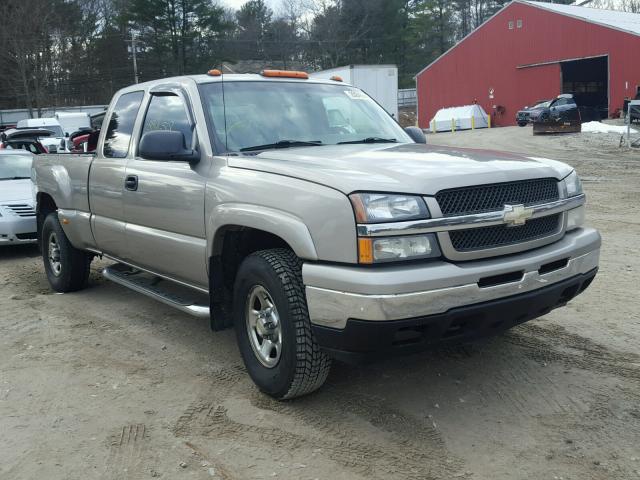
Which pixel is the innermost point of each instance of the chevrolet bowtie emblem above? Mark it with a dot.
(515, 215)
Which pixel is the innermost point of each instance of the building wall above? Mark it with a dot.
(488, 59)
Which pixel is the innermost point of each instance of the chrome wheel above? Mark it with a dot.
(263, 326)
(54, 254)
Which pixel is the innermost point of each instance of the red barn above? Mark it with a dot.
(532, 51)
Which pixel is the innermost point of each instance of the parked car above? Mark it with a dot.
(56, 141)
(561, 116)
(634, 111)
(528, 114)
(24, 139)
(17, 211)
(251, 209)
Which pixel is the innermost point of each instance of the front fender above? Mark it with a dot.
(282, 224)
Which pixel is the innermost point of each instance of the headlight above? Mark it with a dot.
(575, 218)
(389, 249)
(381, 207)
(573, 185)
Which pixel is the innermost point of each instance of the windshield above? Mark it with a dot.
(283, 114)
(15, 166)
(543, 104)
(56, 129)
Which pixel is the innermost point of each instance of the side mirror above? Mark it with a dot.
(166, 145)
(66, 134)
(416, 134)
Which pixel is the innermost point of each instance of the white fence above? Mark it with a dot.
(407, 97)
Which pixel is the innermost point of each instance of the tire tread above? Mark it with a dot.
(312, 364)
(79, 262)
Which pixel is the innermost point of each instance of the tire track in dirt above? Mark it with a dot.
(126, 453)
(361, 433)
(553, 343)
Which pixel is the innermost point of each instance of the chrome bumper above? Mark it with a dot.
(11, 227)
(336, 294)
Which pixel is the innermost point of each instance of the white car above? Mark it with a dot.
(56, 141)
(17, 211)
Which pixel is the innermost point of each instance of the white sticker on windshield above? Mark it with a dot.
(355, 94)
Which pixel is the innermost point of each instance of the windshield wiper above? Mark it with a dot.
(371, 140)
(15, 178)
(283, 144)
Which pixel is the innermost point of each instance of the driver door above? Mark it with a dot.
(164, 200)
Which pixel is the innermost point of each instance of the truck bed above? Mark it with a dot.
(65, 176)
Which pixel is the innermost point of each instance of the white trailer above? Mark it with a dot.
(380, 82)
(73, 121)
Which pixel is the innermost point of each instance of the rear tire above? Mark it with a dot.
(269, 284)
(67, 267)
(522, 124)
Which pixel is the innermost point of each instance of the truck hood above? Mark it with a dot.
(15, 191)
(403, 168)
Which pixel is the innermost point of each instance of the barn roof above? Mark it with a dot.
(622, 21)
(625, 21)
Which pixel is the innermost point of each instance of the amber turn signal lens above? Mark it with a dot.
(284, 74)
(359, 208)
(365, 250)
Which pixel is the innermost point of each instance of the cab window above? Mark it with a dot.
(118, 136)
(168, 112)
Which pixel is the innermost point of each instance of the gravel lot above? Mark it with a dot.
(108, 384)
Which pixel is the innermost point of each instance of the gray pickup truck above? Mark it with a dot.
(299, 212)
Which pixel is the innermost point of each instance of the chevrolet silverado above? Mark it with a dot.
(299, 212)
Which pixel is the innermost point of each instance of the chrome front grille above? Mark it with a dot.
(21, 209)
(473, 239)
(489, 198)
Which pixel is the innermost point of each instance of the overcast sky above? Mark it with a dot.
(274, 4)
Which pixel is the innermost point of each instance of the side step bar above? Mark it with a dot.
(183, 298)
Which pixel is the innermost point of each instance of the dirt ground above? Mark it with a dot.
(107, 384)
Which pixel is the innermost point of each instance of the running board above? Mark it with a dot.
(178, 296)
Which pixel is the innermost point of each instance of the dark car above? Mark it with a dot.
(528, 114)
(634, 112)
(561, 116)
(25, 139)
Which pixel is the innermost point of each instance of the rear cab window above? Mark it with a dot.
(120, 126)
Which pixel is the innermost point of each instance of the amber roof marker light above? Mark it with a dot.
(336, 78)
(284, 74)
(214, 72)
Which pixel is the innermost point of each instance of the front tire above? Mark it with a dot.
(67, 267)
(273, 327)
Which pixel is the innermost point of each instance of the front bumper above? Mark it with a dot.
(365, 340)
(336, 294)
(15, 230)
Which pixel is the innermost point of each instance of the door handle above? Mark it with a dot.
(131, 183)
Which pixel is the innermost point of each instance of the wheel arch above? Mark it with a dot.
(45, 204)
(238, 231)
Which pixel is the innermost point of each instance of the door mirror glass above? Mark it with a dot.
(168, 145)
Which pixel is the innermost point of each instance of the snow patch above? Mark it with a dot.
(599, 127)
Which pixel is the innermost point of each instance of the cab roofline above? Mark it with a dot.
(256, 77)
(230, 77)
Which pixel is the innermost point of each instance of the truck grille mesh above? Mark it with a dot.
(501, 235)
(491, 198)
